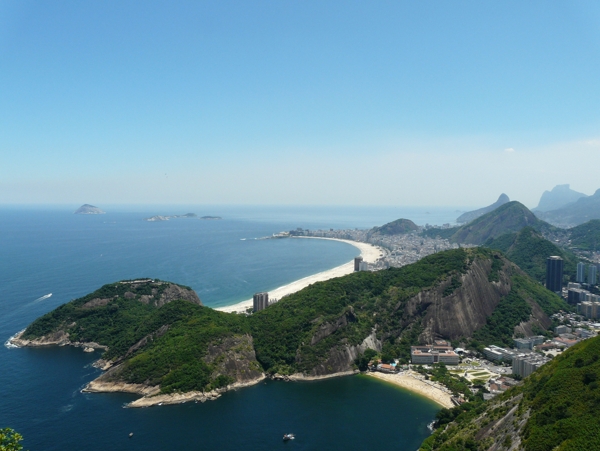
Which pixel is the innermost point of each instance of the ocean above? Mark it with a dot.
(51, 251)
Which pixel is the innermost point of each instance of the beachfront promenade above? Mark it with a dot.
(368, 252)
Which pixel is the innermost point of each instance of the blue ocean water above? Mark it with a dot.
(47, 251)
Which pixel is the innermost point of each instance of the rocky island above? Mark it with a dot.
(87, 209)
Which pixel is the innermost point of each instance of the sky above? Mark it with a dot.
(297, 102)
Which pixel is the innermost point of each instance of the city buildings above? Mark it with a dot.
(260, 301)
(554, 273)
(529, 342)
(498, 354)
(357, 262)
(439, 352)
(525, 364)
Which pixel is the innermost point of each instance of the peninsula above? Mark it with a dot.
(161, 343)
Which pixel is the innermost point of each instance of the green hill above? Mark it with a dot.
(155, 339)
(508, 218)
(529, 250)
(586, 236)
(556, 409)
(397, 227)
(472, 215)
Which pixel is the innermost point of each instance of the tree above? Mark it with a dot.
(9, 440)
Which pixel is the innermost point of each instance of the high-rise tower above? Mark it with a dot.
(554, 273)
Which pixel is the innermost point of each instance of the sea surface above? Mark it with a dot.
(50, 250)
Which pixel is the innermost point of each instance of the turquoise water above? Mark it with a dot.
(54, 251)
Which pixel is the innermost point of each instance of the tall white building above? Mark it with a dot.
(580, 272)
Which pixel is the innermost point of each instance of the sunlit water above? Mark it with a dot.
(54, 251)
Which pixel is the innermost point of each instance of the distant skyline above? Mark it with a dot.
(297, 102)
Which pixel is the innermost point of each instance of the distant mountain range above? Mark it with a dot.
(472, 215)
(574, 213)
(560, 196)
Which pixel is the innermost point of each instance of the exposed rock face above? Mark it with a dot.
(472, 215)
(234, 356)
(342, 357)
(87, 209)
(174, 292)
(466, 309)
(574, 213)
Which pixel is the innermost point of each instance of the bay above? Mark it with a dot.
(47, 251)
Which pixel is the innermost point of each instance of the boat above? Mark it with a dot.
(287, 437)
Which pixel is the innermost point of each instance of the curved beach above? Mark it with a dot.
(414, 382)
(368, 252)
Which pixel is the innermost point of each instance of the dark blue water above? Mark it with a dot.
(54, 251)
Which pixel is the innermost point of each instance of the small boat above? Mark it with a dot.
(287, 437)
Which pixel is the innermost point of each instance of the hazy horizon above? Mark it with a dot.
(297, 103)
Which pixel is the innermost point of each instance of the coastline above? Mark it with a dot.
(409, 380)
(368, 252)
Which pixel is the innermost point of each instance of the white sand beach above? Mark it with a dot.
(414, 382)
(368, 252)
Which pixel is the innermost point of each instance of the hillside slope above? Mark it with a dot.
(556, 409)
(472, 215)
(397, 227)
(529, 250)
(510, 217)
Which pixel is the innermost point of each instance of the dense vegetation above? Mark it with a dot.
(513, 309)
(169, 345)
(556, 409)
(397, 227)
(586, 236)
(175, 360)
(283, 333)
(438, 232)
(508, 218)
(529, 250)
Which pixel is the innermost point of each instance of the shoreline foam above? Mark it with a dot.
(368, 252)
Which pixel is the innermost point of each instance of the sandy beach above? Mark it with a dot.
(368, 252)
(413, 381)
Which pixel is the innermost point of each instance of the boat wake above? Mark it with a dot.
(46, 296)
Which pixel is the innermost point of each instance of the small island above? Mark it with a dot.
(187, 215)
(87, 209)
(166, 218)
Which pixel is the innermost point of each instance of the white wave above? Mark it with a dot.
(8, 343)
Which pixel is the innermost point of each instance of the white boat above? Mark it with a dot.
(287, 437)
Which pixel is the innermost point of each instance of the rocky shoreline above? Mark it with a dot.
(58, 339)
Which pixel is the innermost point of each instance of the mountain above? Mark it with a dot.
(586, 236)
(575, 213)
(557, 408)
(529, 250)
(510, 217)
(560, 196)
(160, 340)
(87, 209)
(471, 215)
(397, 227)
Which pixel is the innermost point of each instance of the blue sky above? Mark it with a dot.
(297, 102)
